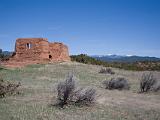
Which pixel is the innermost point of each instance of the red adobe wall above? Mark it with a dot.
(59, 52)
(38, 50)
(31, 49)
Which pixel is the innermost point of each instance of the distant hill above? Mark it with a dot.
(125, 59)
(0, 51)
(141, 64)
(5, 55)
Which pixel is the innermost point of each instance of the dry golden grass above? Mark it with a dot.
(38, 92)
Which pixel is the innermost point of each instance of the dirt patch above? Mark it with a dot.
(128, 98)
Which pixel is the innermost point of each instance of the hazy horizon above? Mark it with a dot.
(93, 27)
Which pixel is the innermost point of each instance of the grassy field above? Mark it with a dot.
(38, 92)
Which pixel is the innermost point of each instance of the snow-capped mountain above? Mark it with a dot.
(124, 58)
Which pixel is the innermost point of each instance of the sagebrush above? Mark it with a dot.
(7, 88)
(119, 83)
(147, 82)
(65, 90)
(107, 71)
(68, 93)
(84, 96)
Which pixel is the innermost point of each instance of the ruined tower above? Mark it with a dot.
(39, 49)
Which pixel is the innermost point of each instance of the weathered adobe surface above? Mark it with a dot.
(37, 50)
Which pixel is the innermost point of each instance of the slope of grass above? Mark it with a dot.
(38, 92)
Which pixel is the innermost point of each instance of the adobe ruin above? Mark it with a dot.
(38, 50)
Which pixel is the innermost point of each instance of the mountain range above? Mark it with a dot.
(124, 58)
(5, 52)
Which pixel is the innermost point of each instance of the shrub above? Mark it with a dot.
(156, 87)
(85, 96)
(2, 88)
(106, 83)
(83, 58)
(119, 83)
(65, 89)
(68, 94)
(147, 82)
(7, 88)
(106, 71)
(4, 57)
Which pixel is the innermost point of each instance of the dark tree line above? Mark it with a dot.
(137, 66)
(3, 56)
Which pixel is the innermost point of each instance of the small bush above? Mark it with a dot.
(147, 82)
(156, 87)
(7, 88)
(65, 90)
(85, 96)
(2, 88)
(106, 71)
(106, 83)
(119, 83)
(68, 94)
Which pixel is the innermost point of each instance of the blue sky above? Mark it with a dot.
(94, 27)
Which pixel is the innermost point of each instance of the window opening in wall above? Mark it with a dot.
(28, 45)
(50, 56)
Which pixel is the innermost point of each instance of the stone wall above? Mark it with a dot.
(31, 49)
(39, 49)
(58, 52)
